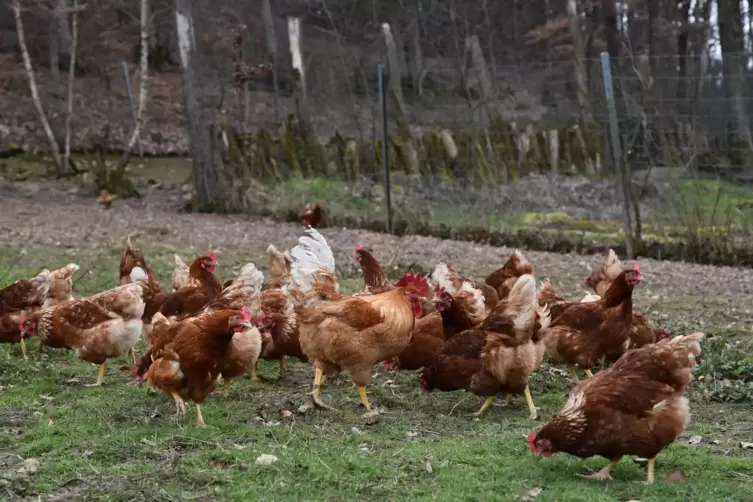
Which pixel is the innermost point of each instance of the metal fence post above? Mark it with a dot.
(617, 160)
(385, 147)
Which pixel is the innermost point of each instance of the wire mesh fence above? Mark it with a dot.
(483, 140)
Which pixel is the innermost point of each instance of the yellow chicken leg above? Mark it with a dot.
(100, 377)
(316, 393)
(605, 474)
(651, 462)
(508, 397)
(254, 376)
(603, 361)
(364, 397)
(573, 374)
(199, 417)
(23, 350)
(282, 367)
(132, 357)
(529, 401)
(588, 372)
(487, 403)
(225, 386)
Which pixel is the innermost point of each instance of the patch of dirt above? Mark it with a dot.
(52, 214)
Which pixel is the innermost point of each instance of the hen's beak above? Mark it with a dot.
(247, 324)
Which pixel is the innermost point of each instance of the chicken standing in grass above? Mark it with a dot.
(347, 333)
(636, 407)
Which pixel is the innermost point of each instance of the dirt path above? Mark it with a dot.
(56, 215)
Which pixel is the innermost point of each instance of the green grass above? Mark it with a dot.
(119, 442)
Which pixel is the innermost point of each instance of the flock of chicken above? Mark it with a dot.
(458, 334)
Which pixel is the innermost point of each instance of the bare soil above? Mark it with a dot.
(54, 214)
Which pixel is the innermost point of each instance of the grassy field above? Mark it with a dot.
(119, 442)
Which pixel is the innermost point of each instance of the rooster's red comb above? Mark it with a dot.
(358, 248)
(415, 280)
(211, 256)
(246, 313)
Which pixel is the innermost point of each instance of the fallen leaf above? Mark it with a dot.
(676, 476)
(285, 414)
(531, 494)
(427, 466)
(355, 430)
(266, 459)
(148, 442)
(30, 466)
(49, 422)
(239, 446)
(746, 446)
(304, 408)
(47, 397)
(716, 441)
(411, 434)
(695, 440)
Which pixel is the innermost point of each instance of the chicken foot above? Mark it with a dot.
(199, 417)
(529, 401)
(254, 376)
(487, 403)
(23, 349)
(651, 462)
(100, 377)
(316, 393)
(588, 372)
(573, 374)
(282, 367)
(605, 474)
(132, 357)
(180, 406)
(364, 397)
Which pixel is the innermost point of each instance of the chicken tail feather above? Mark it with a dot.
(250, 280)
(312, 257)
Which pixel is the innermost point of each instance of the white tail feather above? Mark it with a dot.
(311, 256)
(479, 306)
(180, 273)
(442, 278)
(250, 280)
(138, 274)
(590, 297)
(522, 303)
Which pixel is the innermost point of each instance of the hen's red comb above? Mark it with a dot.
(211, 256)
(441, 291)
(358, 248)
(246, 313)
(532, 440)
(637, 267)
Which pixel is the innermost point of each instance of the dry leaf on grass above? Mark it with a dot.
(266, 459)
(531, 494)
(427, 466)
(695, 439)
(30, 466)
(746, 446)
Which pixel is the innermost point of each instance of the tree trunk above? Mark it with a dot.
(54, 147)
(64, 37)
(682, 52)
(271, 36)
(204, 172)
(611, 29)
(125, 188)
(579, 58)
(415, 54)
(71, 80)
(731, 39)
(394, 68)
